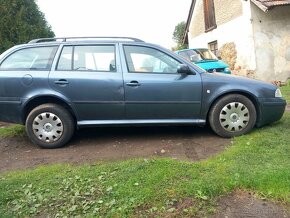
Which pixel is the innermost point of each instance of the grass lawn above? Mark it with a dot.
(286, 91)
(13, 130)
(258, 162)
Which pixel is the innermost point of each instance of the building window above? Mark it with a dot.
(213, 47)
(209, 15)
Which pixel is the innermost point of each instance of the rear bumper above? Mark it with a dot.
(10, 111)
(271, 110)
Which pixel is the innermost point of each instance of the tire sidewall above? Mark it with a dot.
(64, 116)
(220, 104)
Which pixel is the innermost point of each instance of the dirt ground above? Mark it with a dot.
(119, 143)
(241, 204)
(114, 143)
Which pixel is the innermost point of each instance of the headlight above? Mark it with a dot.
(227, 70)
(278, 93)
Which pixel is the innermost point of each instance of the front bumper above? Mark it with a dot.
(270, 110)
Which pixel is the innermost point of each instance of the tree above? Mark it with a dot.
(21, 21)
(178, 35)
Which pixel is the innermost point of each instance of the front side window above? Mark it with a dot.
(145, 59)
(88, 58)
(38, 58)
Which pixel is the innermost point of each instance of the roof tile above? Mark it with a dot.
(266, 5)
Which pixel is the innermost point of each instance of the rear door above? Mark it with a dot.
(154, 89)
(90, 76)
(24, 70)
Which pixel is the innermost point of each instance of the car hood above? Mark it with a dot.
(224, 83)
(213, 64)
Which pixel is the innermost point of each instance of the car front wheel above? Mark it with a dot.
(232, 115)
(49, 126)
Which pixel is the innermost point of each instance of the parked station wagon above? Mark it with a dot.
(54, 86)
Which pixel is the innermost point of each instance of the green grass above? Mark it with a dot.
(13, 130)
(258, 161)
(286, 91)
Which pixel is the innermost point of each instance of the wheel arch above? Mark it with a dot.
(44, 99)
(250, 96)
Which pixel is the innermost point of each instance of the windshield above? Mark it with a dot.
(206, 54)
(197, 55)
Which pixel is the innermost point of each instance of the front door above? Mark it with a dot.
(154, 89)
(88, 75)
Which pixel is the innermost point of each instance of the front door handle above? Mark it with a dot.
(61, 82)
(133, 83)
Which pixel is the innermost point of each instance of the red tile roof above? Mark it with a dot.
(266, 5)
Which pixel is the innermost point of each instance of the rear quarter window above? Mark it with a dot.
(37, 58)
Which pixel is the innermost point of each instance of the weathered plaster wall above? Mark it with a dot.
(272, 42)
(238, 31)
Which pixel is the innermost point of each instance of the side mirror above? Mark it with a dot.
(183, 69)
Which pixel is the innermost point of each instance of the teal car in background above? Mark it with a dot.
(205, 59)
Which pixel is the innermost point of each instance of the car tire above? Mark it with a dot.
(50, 126)
(232, 115)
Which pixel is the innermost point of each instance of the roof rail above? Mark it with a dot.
(64, 39)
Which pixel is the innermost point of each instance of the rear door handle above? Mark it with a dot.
(133, 83)
(61, 82)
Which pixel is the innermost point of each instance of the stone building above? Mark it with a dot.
(252, 36)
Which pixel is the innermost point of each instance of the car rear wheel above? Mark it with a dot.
(49, 126)
(232, 115)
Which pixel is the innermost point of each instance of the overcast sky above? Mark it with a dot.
(150, 20)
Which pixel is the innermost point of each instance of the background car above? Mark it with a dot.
(205, 59)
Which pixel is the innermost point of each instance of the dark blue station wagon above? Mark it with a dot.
(54, 86)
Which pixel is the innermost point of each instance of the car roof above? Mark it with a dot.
(82, 40)
(85, 39)
(43, 42)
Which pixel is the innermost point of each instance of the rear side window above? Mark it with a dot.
(38, 58)
(65, 60)
(88, 58)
